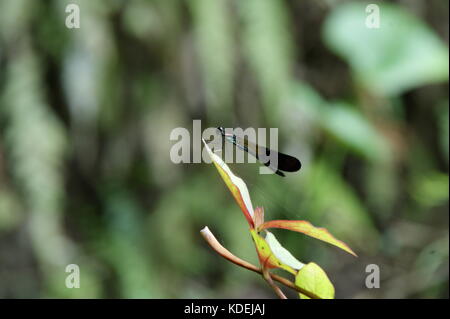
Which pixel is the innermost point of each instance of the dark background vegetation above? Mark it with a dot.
(85, 118)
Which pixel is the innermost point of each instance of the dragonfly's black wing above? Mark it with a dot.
(285, 162)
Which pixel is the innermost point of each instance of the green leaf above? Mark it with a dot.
(282, 253)
(342, 121)
(267, 257)
(346, 124)
(401, 54)
(312, 278)
(431, 189)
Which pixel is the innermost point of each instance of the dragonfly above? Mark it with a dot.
(285, 162)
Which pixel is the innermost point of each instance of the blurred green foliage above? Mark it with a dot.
(86, 114)
(406, 55)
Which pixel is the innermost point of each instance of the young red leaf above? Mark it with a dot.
(307, 228)
(259, 216)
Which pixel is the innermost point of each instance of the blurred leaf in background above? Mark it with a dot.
(401, 54)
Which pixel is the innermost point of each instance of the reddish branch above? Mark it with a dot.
(212, 241)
